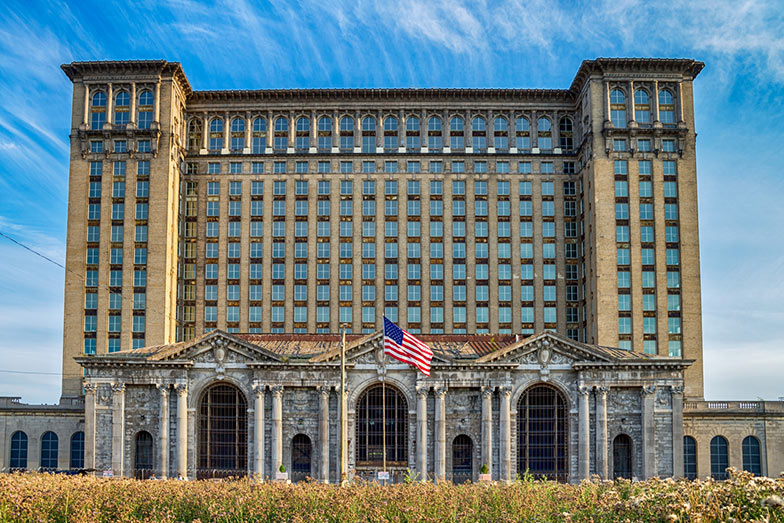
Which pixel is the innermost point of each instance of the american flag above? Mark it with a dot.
(404, 347)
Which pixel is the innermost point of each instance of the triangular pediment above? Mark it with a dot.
(547, 348)
(216, 347)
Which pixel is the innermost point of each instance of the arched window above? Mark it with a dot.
(618, 108)
(302, 142)
(543, 433)
(719, 457)
(478, 137)
(689, 457)
(566, 134)
(457, 124)
(390, 123)
(300, 457)
(18, 451)
(144, 119)
(324, 133)
(462, 459)
(752, 461)
(281, 124)
(642, 107)
(346, 124)
(50, 444)
(457, 133)
(666, 107)
(121, 106)
(346, 134)
(544, 134)
(369, 431)
(194, 134)
(216, 134)
(98, 111)
(368, 123)
(143, 456)
(500, 124)
(434, 124)
(500, 136)
(622, 456)
(258, 140)
(434, 139)
(412, 123)
(478, 124)
(77, 450)
(223, 432)
(523, 131)
(237, 134)
(391, 142)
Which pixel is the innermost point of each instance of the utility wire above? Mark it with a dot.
(32, 250)
(31, 372)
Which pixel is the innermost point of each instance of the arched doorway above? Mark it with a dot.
(369, 430)
(301, 454)
(622, 457)
(143, 456)
(543, 434)
(223, 432)
(462, 459)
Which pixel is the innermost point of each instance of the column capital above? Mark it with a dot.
(258, 389)
(676, 389)
(324, 390)
(89, 388)
(584, 390)
(118, 388)
(487, 391)
(277, 390)
(602, 390)
(648, 389)
(163, 388)
(440, 392)
(422, 391)
(505, 391)
(181, 388)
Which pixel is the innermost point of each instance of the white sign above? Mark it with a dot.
(108, 473)
(383, 475)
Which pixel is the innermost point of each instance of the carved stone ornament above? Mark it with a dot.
(544, 353)
(649, 389)
(219, 352)
(677, 389)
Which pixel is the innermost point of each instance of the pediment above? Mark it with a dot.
(546, 349)
(218, 348)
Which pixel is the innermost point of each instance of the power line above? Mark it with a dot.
(22, 245)
(31, 372)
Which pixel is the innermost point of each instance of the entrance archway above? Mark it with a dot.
(462, 459)
(143, 456)
(223, 432)
(543, 433)
(622, 457)
(301, 457)
(369, 430)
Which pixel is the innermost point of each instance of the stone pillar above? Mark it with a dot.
(468, 129)
(248, 124)
(584, 429)
(487, 428)
(649, 432)
(313, 141)
(270, 132)
(277, 427)
(601, 431)
(132, 116)
(607, 113)
(86, 119)
(506, 434)
(324, 433)
(109, 107)
(205, 132)
(655, 102)
(226, 132)
(118, 429)
(292, 132)
(440, 434)
(89, 425)
(158, 103)
(421, 436)
(163, 436)
(182, 429)
(630, 104)
(679, 101)
(335, 131)
(258, 436)
(677, 430)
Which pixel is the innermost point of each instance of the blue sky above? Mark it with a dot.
(239, 44)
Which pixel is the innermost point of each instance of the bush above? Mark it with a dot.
(46, 497)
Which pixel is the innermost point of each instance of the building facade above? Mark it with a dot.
(457, 213)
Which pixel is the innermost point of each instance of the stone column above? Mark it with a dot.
(248, 125)
(86, 118)
(163, 437)
(89, 425)
(109, 107)
(132, 116)
(118, 429)
(277, 427)
(258, 436)
(648, 432)
(607, 113)
(292, 143)
(226, 132)
(679, 101)
(335, 131)
(158, 103)
(584, 429)
(655, 102)
(601, 431)
(324, 433)
(440, 434)
(182, 429)
(468, 137)
(630, 116)
(487, 428)
(205, 131)
(677, 430)
(421, 437)
(506, 434)
(313, 141)
(270, 131)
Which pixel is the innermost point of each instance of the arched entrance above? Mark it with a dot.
(543, 433)
(143, 456)
(369, 430)
(223, 432)
(622, 457)
(301, 454)
(462, 459)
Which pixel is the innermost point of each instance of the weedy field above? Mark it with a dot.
(45, 497)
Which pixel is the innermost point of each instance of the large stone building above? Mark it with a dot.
(524, 233)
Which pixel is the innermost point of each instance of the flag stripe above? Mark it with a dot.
(405, 357)
(404, 347)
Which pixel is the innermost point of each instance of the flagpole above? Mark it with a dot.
(384, 417)
(343, 442)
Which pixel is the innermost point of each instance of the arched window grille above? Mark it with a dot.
(566, 134)
(324, 133)
(666, 107)
(369, 430)
(77, 450)
(194, 134)
(618, 108)
(457, 124)
(544, 134)
(18, 451)
(434, 124)
(258, 141)
(144, 110)
(543, 433)
(719, 457)
(223, 432)
(98, 111)
(143, 455)
(622, 456)
(500, 134)
(50, 446)
(301, 457)
(216, 134)
(391, 126)
(689, 457)
(642, 107)
(523, 131)
(462, 459)
(121, 106)
(752, 461)
(237, 134)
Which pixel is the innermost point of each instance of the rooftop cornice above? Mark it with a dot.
(684, 66)
(80, 70)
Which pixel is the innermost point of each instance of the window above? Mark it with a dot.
(689, 457)
(751, 455)
(543, 433)
(77, 450)
(666, 107)
(19, 448)
(618, 108)
(719, 457)
(566, 134)
(544, 135)
(642, 107)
